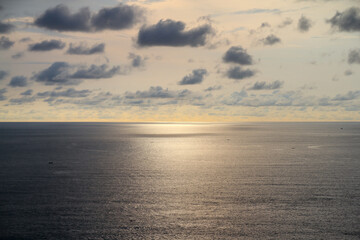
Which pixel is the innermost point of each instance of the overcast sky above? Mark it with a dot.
(180, 60)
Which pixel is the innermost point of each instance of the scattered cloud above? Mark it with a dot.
(3, 74)
(265, 24)
(238, 73)
(83, 49)
(304, 24)
(286, 22)
(17, 55)
(69, 93)
(25, 39)
(173, 33)
(351, 95)
(60, 18)
(137, 61)
(347, 21)
(6, 27)
(28, 92)
(47, 45)
(196, 77)
(2, 96)
(213, 88)
(96, 72)
(354, 56)
(5, 43)
(257, 10)
(348, 72)
(267, 86)
(239, 55)
(18, 81)
(270, 40)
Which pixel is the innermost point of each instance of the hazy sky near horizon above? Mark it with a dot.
(180, 60)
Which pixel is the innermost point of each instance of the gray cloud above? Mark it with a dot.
(137, 60)
(238, 73)
(354, 56)
(153, 92)
(17, 55)
(25, 39)
(351, 95)
(28, 92)
(213, 88)
(18, 81)
(5, 43)
(62, 73)
(172, 33)
(265, 24)
(120, 17)
(69, 93)
(47, 45)
(6, 27)
(285, 23)
(196, 77)
(22, 100)
(82, 49)
(270, 40)
(304, 24)
(267, 86)
(2, 91)
(3, 74)
(348, 72)
(61, 19)
(347, 21)
(237, 54)
(96, 72)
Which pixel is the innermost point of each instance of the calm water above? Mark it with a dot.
(180, 181)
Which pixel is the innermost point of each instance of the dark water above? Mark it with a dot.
(180, 181)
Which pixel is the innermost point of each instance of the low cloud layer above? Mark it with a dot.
(239, 55)
(172, 33)
(239, 73)
(304, 24)
(267, 86)
(5, 43)
(47, 45)
(60, 18)
(6, 27)
(270, 40)
(62, 73)
(18, 81)
(196, 77)
(346, 21)
(83, 49)
(354, 56)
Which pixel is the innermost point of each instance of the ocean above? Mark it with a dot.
(179, 181)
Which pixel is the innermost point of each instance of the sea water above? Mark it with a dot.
(179, 181)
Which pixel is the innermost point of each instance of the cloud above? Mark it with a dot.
(351, 95)
(354, 56)
(136, 60)
(213, 88)
(69, 93)
(348, 72)
(267, 86)
(237, 54)
(2, 91)
(238, 73)
(347, 21)
(28, 92)
(5, 43)
(17, 55)
(60, 18)
(47, 45)
(153, 92)
(265, 24)
(270, 40)
(257, 10)
(18, 81)
(6, 27)
(22, 100)
(96, 72)
(62, 73)
(25, 39)
(82, 49)
(3, 74)
(120, 17)
(285, 23)
(304, 24)
(173, 33)
(196, 77)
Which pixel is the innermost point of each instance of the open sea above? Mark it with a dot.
(179, 181)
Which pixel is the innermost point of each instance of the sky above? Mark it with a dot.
(179, 60)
